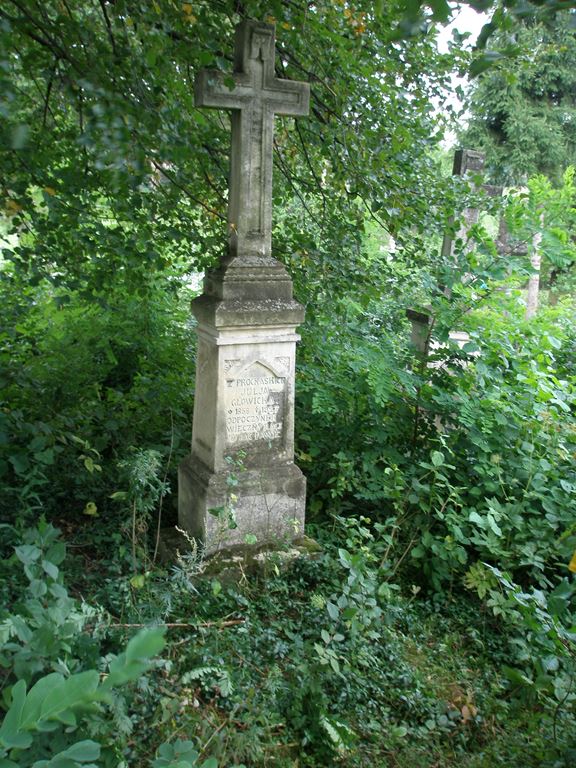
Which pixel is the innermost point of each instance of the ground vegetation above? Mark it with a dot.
(435, 623)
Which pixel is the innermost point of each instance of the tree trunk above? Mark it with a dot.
(534, 281)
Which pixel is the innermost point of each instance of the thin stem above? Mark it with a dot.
(164, 486)
(134, 536)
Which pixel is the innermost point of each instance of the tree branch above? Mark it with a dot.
(108, 27)
(48, 92)
(182, 188)
(46, 41)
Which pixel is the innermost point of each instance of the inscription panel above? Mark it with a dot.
(255, 405)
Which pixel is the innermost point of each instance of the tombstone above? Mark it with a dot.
(421, 327)
(467, 162)
(242, 455)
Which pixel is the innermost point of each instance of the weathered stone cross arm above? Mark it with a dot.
(254, 95)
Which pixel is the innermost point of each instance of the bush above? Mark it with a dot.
(83, 380)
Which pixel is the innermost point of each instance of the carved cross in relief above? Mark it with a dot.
(254, 98)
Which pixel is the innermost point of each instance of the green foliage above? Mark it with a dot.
(504, 19)
(43, 629)
(114, 193)
(51, 707)
(181, 754)
(523, 108)
(546, 650)
(80, 384)
(261, 688)
(547, 212)
(315, 662)
(142, 473)
(122, 176)
(421, 448)
(426, 472)
(66, 717)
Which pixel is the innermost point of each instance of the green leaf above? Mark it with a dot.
(38, 588)
(441, 10)
(36, 697)
(417, 552)
(135, 660)
(333, 611)
(82, 752)
(176, 754)
(11, 735)
(147, 643)
(50, 569)
(138, 581)
(345, 558)
(474, 517)
(27, 553)
(493, 525)
(437, 458)
(563, 406)
(70, 693)
(56, 553)
(484, 62)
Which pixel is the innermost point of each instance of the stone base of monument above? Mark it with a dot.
(264, 505)
(239, 485)
(235, 563)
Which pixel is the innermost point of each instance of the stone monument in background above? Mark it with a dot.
(468, 163)
(243, 427)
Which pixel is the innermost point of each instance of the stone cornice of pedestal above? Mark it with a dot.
(236, 313)
(417, 316)
(249, 280)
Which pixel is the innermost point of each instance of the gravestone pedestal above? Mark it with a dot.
(244, 412)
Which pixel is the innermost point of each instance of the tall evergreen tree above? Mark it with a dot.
(524, 110)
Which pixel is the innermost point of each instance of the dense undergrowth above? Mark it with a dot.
(320, 665)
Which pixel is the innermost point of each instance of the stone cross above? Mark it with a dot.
(254, 95)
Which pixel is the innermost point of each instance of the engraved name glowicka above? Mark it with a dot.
(254, 408)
